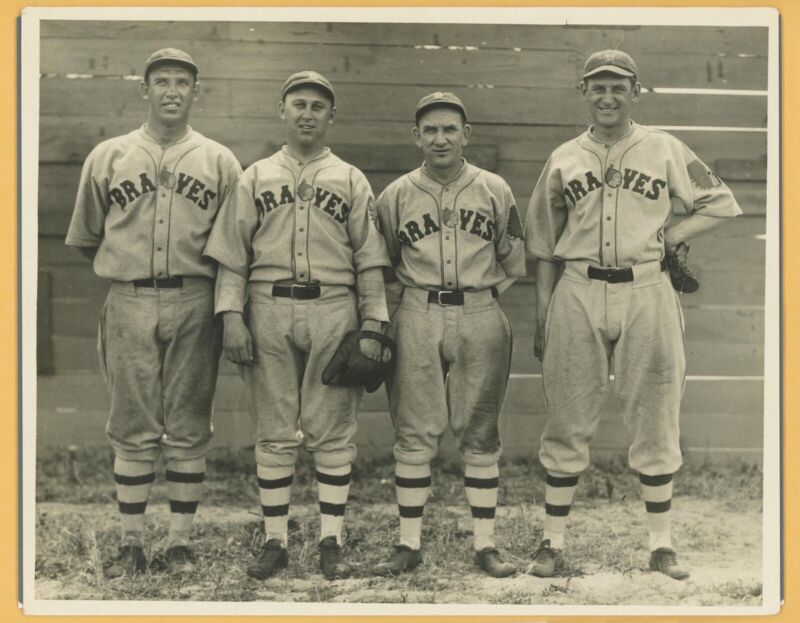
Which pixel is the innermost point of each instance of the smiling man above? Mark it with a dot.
(300, 232)
(602, 210)
(145, 206)
(455, 241)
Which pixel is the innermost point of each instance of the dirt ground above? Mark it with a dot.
(605, 561)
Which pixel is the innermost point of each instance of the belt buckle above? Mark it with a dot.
(299, 286)
(439, 297)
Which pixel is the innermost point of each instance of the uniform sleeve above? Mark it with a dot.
(87, 226)
(372, 295)
(369, 248)
(230, 291)
(547, 214)
(700, 190)
(387, 224)
(229, 172)
(231, 240)
(509, 243)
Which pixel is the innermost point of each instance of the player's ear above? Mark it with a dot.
(584, 89)
(144, 90)
(415, 134)
(282, 110)
(333, 115)
(196, 90)
(636, 92)
(467, 133)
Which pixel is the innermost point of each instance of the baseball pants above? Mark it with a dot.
(293, 341)
(159, 352)
(640, 323)
(451, 369)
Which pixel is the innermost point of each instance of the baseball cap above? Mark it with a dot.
(613, 61)
(439, 97)
(308, 77)
(172, 55)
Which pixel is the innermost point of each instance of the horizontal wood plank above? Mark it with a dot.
(666, 39)
(69, 140)
(509, 105)
(441, 67)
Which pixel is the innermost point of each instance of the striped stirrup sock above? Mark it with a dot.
(657, 495)
(275, 491)
(412, 487)
(558, 494)
(480, 485)
(333, 486)
(133, 480)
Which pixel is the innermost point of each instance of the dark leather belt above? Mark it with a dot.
(451, 297)
(616, 275)
(300, 291)
(160, 284)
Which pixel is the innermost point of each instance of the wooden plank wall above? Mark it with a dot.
(519, 85)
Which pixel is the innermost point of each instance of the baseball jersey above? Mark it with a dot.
(290, 220)
(609, 203)
(149, 209)
(464, 235)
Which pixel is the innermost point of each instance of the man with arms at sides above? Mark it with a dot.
(299, 232)
(455, 241)
(601, 210)
(146, 203)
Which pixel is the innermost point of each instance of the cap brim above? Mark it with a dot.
(611, 69)
(309, 83)
(442, 104)
(174, 61)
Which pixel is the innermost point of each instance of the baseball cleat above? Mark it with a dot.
(129, 561)
(490, 561)
(665, 560)
(403, 559)
(272, 558)
(330, 559)
(544, 561)
(180, 559)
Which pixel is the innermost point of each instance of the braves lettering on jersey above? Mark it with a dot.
(465, 235)
(299, 221)
(609, 204)
(150, 209)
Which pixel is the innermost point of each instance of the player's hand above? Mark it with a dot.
(371, 348)
(538, 336)
(236, 340)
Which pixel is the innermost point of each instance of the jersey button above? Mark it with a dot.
(449, 283)
(299, 253)
(608, 218)
(301, 229)
(161, 220)
(158, 249)
(608, 244)
(449, 261)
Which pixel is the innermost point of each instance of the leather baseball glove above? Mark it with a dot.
(352, 368)
(679, 273)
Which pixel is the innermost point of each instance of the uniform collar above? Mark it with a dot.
(326, 151)
(589, 141)
(146, 137)
(422, 178)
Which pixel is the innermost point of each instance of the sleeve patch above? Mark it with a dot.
(702, 176)
(514, 227)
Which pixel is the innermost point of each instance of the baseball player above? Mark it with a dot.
(300, 232)
(601, 211)
(145, 206)
(455, 240)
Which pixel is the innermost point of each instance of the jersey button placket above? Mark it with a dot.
(449, 243)
(161, 231)
(302, 225)
(608, 251)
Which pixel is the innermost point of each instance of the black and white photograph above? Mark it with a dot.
(400, 311)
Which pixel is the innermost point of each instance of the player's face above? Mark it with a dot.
(610, 99)
(307, 113)
(442, 135)
(170, 90)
